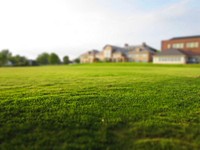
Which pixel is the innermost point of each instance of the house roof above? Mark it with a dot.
(117, 49)
(171, 52)
(185, 37)
(143, 47)
(92, 52)
(133, 48)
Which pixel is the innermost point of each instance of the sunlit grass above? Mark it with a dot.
(100, 106)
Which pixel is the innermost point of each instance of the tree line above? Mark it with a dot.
(7, 59)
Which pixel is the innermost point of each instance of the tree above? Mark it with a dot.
(77, 60)
(54, 59)
(19, 60)
(66, 60)
(43, 59)
(5, 55)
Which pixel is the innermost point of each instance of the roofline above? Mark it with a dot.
(86, 53)
(151, 48)
(182, 53)
(185, 37)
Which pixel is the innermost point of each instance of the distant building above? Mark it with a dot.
(190, 45)
(141, 53)
(170, 56)
(89, 57)
(111, 53)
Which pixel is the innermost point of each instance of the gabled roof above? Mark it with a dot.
(143, 47)
(185, 37)
(125, 50)
(92, 52)
(117, 49)
(171, 52)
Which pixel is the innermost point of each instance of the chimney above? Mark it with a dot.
(144, 44)
(126, 45)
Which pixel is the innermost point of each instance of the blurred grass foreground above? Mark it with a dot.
(100, 106)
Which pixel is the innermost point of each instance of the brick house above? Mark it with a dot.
(111, 53)
(141, 53)
(89, 57)
(190, 45)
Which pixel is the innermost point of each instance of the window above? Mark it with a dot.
(193, 45)
(108, 54)
(137, 55)
(169, 46)
(144, 55)
(166, 59)
(178, 45)
(138, 49)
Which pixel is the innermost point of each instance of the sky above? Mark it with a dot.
(72, 27)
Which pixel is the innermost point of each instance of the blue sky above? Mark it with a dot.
(71, 27)
(144, 5)
(155, 4)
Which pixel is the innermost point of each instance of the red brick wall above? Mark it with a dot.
(164, 44)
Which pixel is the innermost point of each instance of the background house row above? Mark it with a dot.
(111, 53)
(180, 50)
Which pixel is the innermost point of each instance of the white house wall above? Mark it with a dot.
(168, 60)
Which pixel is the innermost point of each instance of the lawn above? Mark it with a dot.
(100, 106)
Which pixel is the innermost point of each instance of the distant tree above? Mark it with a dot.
(77, 60)
(19, 60)
(43, 59)
(54, 59)
(5, 55)
(66, 60)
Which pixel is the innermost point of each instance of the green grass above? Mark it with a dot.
(100, 106)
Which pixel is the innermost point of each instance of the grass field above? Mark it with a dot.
(100, 106)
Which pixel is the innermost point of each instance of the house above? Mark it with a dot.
(188, 44)
(171, 56)
(89, 57)
(141, 53)
(111, 53)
